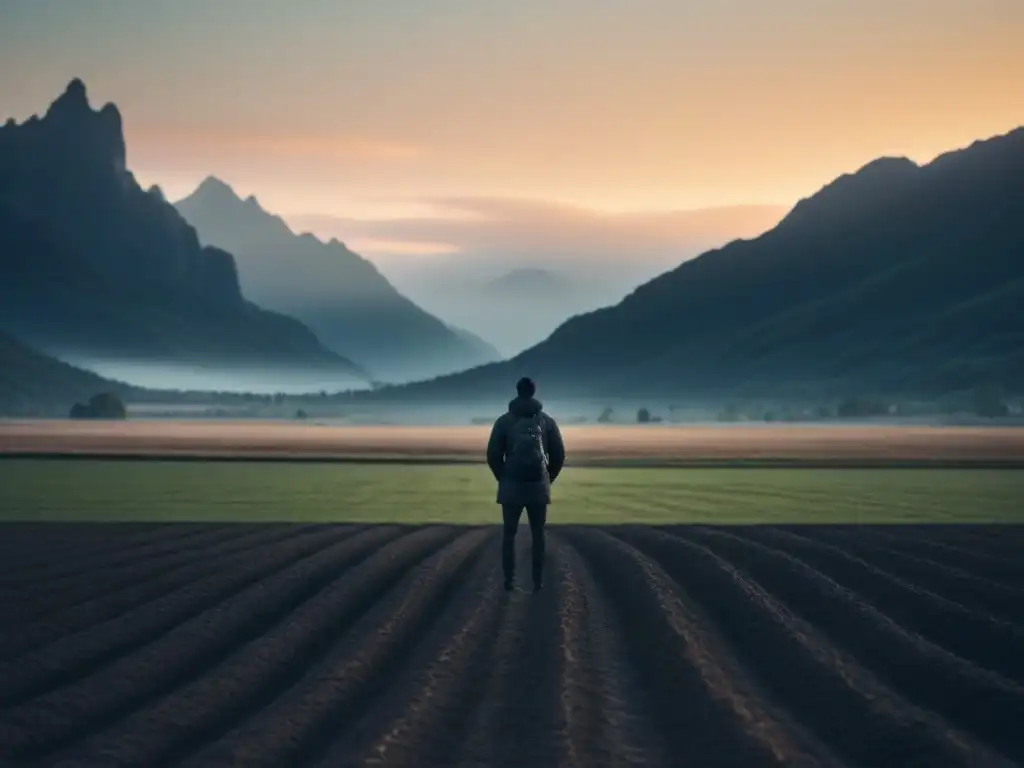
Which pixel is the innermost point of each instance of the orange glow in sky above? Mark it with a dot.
(354, 109)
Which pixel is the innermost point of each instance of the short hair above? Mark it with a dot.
(525, 387)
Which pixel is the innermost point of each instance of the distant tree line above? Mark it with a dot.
(986, 401)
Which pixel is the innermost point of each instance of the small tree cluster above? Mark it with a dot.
(730, 414)
(854, 407)
(989, 402)
(105, 405)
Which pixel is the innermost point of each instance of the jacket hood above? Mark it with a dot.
(524, 406)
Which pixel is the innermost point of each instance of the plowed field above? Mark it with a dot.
(289, 645)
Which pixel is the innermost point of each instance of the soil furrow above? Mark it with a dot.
(35, 601)
(1007, 571)
(960, 586)
(424, 715)
(74, 656)
(707, 709)
(144, 587)
(28, 545)
(57, 568)
(808, 665)
(519, 717)
(258, 672)
(300, 724)
(599, 698)
(183, 650)
(978, 637)
(1007, 538)
(51, 549)
(48, 599)
(995, 540)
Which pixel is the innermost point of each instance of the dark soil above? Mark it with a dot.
(383, 645)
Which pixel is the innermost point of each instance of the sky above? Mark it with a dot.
(349, 115)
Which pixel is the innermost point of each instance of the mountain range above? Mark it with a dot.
(897, 277)
(342, 297)
(475, 252)
(94, 268)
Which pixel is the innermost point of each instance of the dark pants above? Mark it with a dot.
(537, 515)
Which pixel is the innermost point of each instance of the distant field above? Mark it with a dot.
(594, 445)
(214, 491)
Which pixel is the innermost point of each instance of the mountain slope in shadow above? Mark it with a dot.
(340, 295)
(898, 277)
(92, 267)
(33, 382)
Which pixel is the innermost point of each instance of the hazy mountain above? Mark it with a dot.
(467, 243)
(538, 299)
(897, 277)
(531, 282)
(93, 268)
(515, 309)
(31, 382)
(481, 348)
(340, 295)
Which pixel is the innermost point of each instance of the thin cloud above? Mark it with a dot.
(553, 230)
(329, 147)
(290, 146)
(370, 247)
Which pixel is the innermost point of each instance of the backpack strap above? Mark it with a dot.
(538, 422)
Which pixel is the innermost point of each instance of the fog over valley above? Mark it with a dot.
(447, 259)
(265, 381)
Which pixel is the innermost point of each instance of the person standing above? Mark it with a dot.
(525, 453)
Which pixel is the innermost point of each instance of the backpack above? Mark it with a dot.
(527, 461)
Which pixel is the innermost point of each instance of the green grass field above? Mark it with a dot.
(165, 491)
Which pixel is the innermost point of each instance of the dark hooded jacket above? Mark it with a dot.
(516, 492)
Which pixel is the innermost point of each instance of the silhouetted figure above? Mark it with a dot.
(526, 454)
